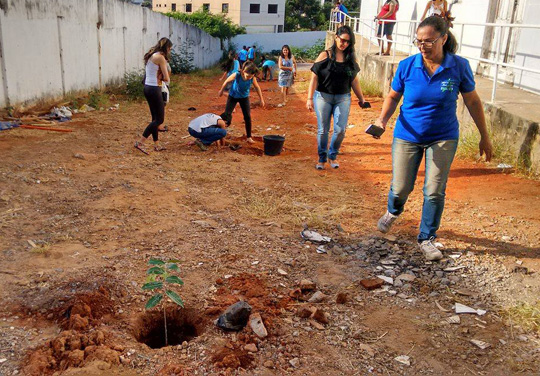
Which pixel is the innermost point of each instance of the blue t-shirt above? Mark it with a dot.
(251, 53)
(269, 63)
(240, 87)
(428, 112)
(242, 55)
(236, 68)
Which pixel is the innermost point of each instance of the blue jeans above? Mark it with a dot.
(208, 135)
(406, 159)
(327, 105)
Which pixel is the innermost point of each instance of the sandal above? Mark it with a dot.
(159, 148)
(165, 129)
(140, 147)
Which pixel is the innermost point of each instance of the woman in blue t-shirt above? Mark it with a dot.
(429, 83)
(239, 93)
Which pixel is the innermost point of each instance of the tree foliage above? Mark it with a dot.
(304, 15)
(217, 25)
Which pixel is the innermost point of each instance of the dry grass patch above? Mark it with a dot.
(525, 315)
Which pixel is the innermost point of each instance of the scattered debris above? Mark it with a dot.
(256, 324)
(454, 268)
(406, 277)
(441, 308)
(320, 316)
(386, 279)
(342, 298)
(504, 166)
(371, 284)
(481, 344)
(453, 319)
(307, 285)
(403, 359)
(317, 297)
(85, 108)
(251, 347)
(461, 308)
(235, 317)
(282, 272)
(321, 249)
(315, 237)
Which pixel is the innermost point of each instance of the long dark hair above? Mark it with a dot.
(281, 52)
(163, 46)
(348, 53)
(440, 25)
(228, 64)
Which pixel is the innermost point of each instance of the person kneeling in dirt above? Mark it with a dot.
(208, 128)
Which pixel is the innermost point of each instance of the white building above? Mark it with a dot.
(520, 47)
(257, 16)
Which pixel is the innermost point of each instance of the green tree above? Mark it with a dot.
(304, 15)
(217, 25)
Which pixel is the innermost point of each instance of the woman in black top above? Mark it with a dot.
(333, 76)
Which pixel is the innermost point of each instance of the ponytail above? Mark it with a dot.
(440, 25)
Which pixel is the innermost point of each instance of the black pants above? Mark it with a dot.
(244, 105)
(157, 109)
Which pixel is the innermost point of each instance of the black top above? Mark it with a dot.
(335, 77)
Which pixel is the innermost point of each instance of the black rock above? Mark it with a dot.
(235, 317)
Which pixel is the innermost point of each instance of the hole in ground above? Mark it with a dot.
(182, 325)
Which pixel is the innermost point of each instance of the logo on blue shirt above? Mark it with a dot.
(448, 85)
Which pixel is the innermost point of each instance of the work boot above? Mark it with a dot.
(386, 221)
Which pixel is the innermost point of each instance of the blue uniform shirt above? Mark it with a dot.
(242, 55)
(236, 68)
(428, 112)
(251, 53)
(269, 63)
(240, 87)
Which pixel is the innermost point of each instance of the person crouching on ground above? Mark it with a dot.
(239, 93)
(427, 127)
(209, 128)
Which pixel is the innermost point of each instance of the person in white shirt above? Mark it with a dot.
(209, 128)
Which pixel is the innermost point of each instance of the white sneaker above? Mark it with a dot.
(386, 221)
(431, 252)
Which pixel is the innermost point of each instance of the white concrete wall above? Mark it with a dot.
(50, 48)
(273, 41)
(528, 49)
(262, 22)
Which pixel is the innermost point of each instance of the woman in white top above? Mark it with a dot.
(156, 75)
(435, 8)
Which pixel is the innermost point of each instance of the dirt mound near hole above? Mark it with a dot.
(232, 357)
(182, 325)
(79, 344)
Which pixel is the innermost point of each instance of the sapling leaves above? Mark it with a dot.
(173, 267)
(175, 298)
(174, 279)
(156, 262)
(153, 301)
(155, 270)
(152, 285)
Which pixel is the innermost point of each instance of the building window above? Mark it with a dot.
(225, 8)
(272, 8)
(188, 8)
(173, 7)
(280, 29)
(206, 7)
(254, 8)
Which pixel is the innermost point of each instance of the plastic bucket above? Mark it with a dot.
(273, 144)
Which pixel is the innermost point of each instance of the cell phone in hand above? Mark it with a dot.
(375, 130)
(364, 104)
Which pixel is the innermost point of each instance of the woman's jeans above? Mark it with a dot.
(209, 134)
(327, 105)
(406, 159)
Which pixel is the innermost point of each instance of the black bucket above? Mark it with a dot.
(273, 144)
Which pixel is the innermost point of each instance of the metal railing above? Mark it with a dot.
(359, 26)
